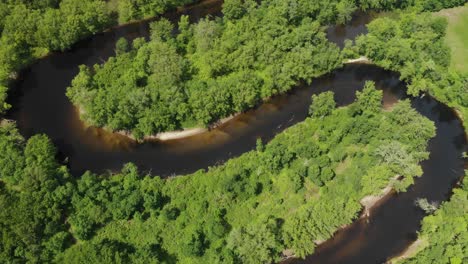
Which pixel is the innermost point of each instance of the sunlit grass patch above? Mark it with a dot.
(457, 36)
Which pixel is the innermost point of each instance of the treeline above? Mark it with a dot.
(30, 29)
(300, 187)
(444, 234)
(216, 68)
(412, 5)
(35, 195)
(208, 70)
(413, 45)
(129, 10)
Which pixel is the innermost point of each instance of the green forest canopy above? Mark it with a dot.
(391, 43)
(300, 187)
(209, 70)
(30, 29)
(46, 211)
(413, 45)
(215, 68)
(443, 236)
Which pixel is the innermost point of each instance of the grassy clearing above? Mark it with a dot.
(457, 36)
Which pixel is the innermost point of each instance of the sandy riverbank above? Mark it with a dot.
(163, 136)
(361, 59)
(168, 135)
(189, 132)
(410, 251)
(368, 202)
(180, 134)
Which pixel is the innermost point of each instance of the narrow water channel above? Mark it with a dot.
(40, 106)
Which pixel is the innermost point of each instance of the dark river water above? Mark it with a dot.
(40, 106)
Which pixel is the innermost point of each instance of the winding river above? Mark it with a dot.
(40, 106)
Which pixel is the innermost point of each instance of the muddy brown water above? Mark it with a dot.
(40, 106)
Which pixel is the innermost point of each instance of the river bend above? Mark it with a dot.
(40, 106)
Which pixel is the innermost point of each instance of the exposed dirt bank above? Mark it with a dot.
(411, 251)
(371, 200)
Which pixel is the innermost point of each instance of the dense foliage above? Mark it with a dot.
(216, 68)
(444, 234)
(209, 70)
(34, 196)
(413, 45)
(300, 187)
(129, 10)
(30, 29)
